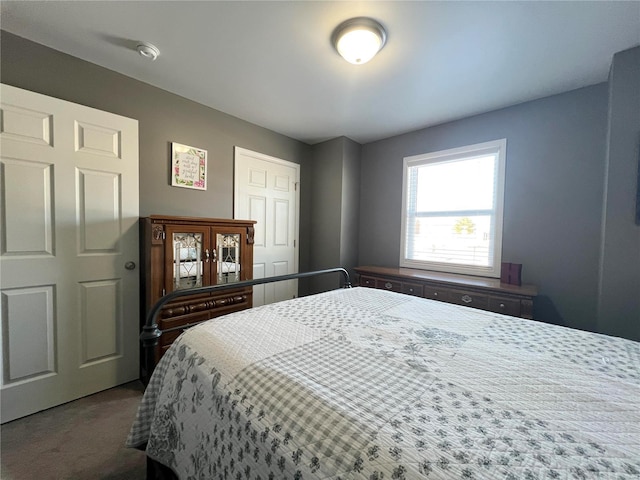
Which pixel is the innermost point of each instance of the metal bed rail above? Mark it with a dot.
(151, 333)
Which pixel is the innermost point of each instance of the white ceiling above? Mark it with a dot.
(271, 62)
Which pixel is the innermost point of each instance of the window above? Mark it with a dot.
(452, 210)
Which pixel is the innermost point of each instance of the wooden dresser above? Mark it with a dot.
(186, 252)
(478, 292)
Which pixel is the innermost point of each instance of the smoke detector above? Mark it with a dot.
(148, 50)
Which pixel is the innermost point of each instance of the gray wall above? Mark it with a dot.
(553, 195)
(350, 213)
(619, 294)
(334, 208)
(326, 192)
(163, 118)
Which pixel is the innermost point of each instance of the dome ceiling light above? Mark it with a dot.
(359, 39)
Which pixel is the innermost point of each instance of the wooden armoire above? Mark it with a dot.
(187, 252)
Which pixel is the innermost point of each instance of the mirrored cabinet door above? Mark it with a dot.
(228, 256)
(229, 261)
(188, 257)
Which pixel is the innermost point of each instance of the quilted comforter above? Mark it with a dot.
(368, 384)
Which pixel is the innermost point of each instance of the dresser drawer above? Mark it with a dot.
(412, 289)
(386, 284)
(182, 320)
(470, 291)
(508, 306)
(436, 293)
(367, 281)
(470, 299)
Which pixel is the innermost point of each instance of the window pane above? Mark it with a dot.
(452, 209)
(451, 239)
(457, 185)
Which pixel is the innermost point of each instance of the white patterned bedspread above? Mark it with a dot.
(368, 384)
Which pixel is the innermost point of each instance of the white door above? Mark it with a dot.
(266, 190)
(68, 251)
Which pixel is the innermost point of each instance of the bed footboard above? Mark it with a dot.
(151, 333)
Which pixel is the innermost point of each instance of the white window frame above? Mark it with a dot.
(496, 147)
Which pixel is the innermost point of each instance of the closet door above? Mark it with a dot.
(266, 190)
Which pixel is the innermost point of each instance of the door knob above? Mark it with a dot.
(130, 265)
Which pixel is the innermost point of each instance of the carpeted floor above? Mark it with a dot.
(83, 439)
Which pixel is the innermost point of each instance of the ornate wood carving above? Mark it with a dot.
(157, 234)
(176, 311)
(250, 234)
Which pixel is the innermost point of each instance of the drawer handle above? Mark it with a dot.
(411, 290)
(467, 299)
(388, 285)
(502, 305)
(435, 294)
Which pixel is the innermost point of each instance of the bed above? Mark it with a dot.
(359, 383)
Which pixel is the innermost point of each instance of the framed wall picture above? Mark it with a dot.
(188, 166)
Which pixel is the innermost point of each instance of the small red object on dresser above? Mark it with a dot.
(511, 273)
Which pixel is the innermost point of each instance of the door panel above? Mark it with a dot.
(265, 190)
(30, 316)
(69, 191)
(281, 290)
(281, 219)
(99, 212)
(26, 125)
(258, 212)
(27, 208)
(96, 139)
(100, 323)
